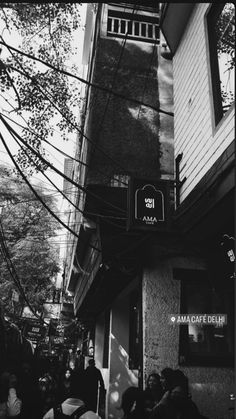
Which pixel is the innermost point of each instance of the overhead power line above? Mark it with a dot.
(11, 130)
(106, 218)
(95, 85)
(38, 196)
(57, 149)
(46, 93)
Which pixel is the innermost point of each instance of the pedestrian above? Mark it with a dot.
(77, 382)
(94, 384)
(29, 393)
(167, 379)
(64, 389)
(132, 403)
(47, 392)
(176, 402)
(153, 392)
(73, 408)
(10, 404)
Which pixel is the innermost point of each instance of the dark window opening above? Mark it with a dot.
(221, 32)
(150, 31)
(130, 28)
(157, 32)
(116, 25)
(109, 24)
(136, 28)
(206, 344)
(122, 28)
(143, 29)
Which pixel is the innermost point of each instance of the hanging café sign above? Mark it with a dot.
(148, 204)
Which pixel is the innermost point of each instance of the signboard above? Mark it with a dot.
(34, 331)
(148, 204)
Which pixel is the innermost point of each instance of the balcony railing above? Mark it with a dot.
(134, 29)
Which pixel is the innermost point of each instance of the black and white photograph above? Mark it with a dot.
(117, 210)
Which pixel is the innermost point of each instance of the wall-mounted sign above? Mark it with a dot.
(148, 204)
(34, 331)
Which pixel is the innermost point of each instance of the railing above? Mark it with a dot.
(133, 28)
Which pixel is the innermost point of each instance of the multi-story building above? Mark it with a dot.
(201, 39)
(127, 125)
(150, 236)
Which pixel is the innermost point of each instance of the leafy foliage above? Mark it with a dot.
(46, 98)
(225, 35)
(28, 230)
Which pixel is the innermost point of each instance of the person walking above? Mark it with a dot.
(94, 384)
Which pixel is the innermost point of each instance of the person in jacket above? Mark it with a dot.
(94, 385)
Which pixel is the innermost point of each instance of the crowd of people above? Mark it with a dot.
(40, 393)
(53, 391)
(166, 396)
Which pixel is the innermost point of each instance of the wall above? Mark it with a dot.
(210, 387)
(119, 376)
(195, 133)
(135, 139)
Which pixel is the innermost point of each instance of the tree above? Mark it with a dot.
(44, 97)
(225, 36)
(27, 232)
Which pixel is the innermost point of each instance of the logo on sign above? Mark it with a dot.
(149, 205)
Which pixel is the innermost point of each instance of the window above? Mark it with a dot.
(138, 27)
(120, 181)
(210, 345)
(221, 31)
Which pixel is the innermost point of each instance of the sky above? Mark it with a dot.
(56, 158)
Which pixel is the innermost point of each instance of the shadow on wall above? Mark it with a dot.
(121, 377)
(127, 132)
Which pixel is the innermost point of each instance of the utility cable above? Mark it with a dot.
(106, 218)
(35, 82)
(38, 86)
(37, 196)
(11, 130)
(56, 148)
(114, 80)
(94, 100)
(58, 109)
(97, 86)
